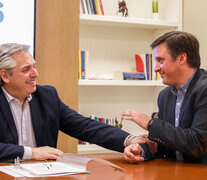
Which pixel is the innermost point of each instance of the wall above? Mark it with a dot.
(57, 45)
(194, 22)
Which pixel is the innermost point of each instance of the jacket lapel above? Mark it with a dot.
(184, 105)
(186, 98)
(8, 116)
(171, 103)
(36, 119)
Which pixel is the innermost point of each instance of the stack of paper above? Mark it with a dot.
(62, 167)
(67, 164)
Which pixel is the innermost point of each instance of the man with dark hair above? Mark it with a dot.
(180, 130)
(178, 42)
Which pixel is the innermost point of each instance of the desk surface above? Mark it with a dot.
(159, 169)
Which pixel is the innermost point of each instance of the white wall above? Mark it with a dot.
(194, 21)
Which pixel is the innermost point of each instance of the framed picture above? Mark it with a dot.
(17, 22)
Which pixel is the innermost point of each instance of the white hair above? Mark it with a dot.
(6, 52)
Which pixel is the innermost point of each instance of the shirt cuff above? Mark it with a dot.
(27, 153)
(126, 139)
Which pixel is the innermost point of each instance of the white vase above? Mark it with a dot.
(155, 16)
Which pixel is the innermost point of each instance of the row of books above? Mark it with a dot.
(144, 64)
(144, 69)
(91, 7)
(110, 121)
(83, 65)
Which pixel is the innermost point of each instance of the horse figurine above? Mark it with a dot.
(123, 8)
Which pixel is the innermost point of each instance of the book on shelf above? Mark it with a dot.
(100, 77)
(133, 75)
(91, 7)
(79, 66)
(94, 6)
(83, 65)
(158, 76)
(101, 7)
(148, 58)
(145, 64)
(82, 9)
(139, 63)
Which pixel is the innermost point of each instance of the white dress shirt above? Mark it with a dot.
(23, 122)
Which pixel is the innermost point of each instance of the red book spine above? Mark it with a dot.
(101, 7)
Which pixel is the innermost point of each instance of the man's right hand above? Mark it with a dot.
(144, 139)
(132, 153)
(46, 152)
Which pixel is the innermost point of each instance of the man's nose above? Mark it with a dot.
(157, 67)
(34, 73)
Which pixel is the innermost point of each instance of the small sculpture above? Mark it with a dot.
(123, 8)
(117, 124)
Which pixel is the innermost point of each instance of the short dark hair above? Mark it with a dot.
(178, 42)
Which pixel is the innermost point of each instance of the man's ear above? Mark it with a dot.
(4, 75)
(182, 58)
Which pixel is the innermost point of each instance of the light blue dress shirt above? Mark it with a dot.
(180, 94)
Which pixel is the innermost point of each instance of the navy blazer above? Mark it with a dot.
(191, 137)
(50, 114)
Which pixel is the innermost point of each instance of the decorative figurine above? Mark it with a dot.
(123, 8)
(117, 124)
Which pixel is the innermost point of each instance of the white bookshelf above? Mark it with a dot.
(126, 22)
(112, 41)
(152, 83)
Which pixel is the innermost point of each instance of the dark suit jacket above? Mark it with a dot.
(49, 115)
(191, 137)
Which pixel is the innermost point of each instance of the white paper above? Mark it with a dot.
(67, 164)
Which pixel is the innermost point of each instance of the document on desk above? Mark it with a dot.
(67, 164)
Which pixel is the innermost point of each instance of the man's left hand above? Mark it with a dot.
(141, 119)
(132, 153)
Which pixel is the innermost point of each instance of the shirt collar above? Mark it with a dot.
(10, 98)
(184, 87)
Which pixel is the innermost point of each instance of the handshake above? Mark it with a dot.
(133, 151)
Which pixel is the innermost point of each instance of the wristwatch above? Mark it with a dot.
(153, 116)
(150, 124)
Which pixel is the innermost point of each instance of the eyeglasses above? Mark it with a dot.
(17, 164)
